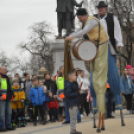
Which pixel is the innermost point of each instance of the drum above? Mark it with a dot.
(84, 50)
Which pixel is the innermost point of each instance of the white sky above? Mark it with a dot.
(17, 15)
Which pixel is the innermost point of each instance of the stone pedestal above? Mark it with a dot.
(57, 48)
(41, 73)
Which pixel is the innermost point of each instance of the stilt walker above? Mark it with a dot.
(112, 27)
(93, 30)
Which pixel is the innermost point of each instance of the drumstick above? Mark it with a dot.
(80, 86)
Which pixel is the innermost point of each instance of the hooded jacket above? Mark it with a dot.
(71, 93)
(19, 95)
(37, 96)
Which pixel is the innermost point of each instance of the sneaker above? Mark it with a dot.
(78, 121)
(10, 128)
(43, 122)
(66, 122)
(3, 130)
(110, 117)
(35, 123)
(53, 120)
(91, 115)
(76, 132)
(128, 112)
(113, 113)
(81, 115)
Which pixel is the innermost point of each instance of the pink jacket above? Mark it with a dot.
(89, 97)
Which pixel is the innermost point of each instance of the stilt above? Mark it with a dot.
(103, 124)
(99, 124)
(122, 118)
(94, 122)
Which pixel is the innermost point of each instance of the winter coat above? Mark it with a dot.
(27, 87)
(125, 85)
(37, 96)
(53, 86)
(19, 95)
(52, 104)
(71, 93)
(60, 92)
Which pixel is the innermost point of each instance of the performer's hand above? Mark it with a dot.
(70, 38)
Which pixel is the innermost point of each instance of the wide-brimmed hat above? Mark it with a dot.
(102, 4)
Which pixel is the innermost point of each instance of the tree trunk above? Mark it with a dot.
(129, 59)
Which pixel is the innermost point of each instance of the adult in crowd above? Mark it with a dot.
(83, 93)
(27, 87)
(51, 86)
(18, 77)
(127, 89)
(54, 78)
(6, 94)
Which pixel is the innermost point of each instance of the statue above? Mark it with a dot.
(65, 15)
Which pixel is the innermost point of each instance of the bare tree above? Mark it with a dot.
(38, 44)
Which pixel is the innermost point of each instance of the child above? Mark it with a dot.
(38, 98)
(71, 92)
(52, 106)
(18, 112)
(60, 97)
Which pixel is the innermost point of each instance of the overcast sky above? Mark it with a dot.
(17, 15)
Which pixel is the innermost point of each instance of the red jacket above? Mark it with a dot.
(52, 104)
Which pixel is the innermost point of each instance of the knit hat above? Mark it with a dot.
(81, 11)
(128, 67)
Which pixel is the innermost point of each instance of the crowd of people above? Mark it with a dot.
(33, 100)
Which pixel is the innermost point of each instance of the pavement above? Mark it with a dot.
(113, 126)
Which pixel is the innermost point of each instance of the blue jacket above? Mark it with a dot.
(125, 85)
(37, 96)
(71, 94)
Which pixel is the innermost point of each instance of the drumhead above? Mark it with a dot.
(87, 51)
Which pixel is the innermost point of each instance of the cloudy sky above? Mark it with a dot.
(17, 15)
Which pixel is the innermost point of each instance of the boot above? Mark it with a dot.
(61, 118)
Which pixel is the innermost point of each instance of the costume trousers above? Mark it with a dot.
(113, 79)
(99, 68)
(128, 98)
(73, 117)
(35, 112)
